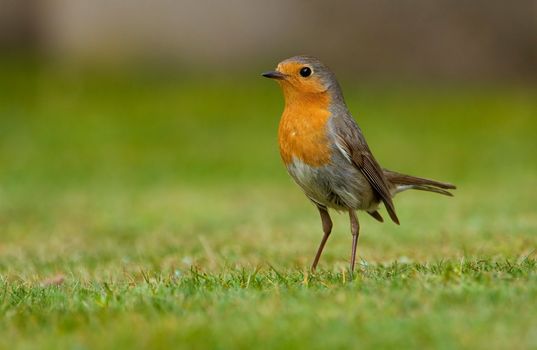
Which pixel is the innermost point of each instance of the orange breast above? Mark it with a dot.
(302, 130)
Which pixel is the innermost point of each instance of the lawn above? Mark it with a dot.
(146, 210)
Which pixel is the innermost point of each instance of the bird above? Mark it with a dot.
(326, 153)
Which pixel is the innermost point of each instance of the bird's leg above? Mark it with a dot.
(355, 230)
(327, 228)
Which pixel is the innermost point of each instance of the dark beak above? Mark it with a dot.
(274, 75)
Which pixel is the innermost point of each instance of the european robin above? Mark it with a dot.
(326, 153)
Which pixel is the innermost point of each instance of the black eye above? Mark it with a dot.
(305, 72)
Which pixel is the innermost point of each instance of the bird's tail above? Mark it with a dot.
(403, 182)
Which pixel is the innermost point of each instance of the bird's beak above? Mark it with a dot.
(274, 75)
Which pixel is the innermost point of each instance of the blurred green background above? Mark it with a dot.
(138, 144)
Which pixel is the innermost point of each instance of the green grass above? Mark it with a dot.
(161, 205)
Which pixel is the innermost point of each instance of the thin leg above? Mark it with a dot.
(327, 228)
(355, 230)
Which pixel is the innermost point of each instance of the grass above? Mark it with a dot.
(143, 212)
(450, 304)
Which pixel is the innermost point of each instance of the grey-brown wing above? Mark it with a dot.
(351, 140)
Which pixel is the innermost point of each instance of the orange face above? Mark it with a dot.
(299, 78)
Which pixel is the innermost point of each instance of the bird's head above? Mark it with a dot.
(304, 76)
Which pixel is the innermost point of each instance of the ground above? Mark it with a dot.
(152, 211)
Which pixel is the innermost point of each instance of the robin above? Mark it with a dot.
(326, 153)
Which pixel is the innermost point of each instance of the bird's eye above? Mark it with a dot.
(305, 72)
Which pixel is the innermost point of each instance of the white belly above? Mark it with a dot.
(339, 188)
